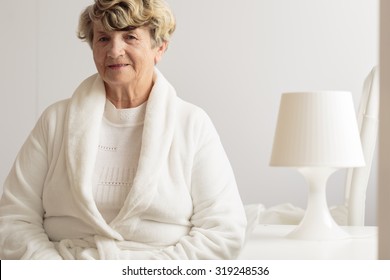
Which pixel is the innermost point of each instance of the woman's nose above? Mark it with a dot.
(116, 48)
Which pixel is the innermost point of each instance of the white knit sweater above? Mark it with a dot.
(183, 203)
(117, 158)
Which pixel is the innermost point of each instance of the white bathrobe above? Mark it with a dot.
(184, 203)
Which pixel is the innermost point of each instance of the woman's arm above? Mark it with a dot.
(219, 220)
(22, 235)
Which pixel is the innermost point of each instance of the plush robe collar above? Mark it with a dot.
(84, 117)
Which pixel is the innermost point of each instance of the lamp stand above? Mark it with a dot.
(317, 223)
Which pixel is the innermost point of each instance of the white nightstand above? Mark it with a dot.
(269, 242)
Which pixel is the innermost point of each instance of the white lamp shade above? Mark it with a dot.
(317, 129)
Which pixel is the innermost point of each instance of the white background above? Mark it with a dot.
(232, 58)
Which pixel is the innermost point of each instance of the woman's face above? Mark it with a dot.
(125, 58)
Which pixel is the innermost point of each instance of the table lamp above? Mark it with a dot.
(317, 134)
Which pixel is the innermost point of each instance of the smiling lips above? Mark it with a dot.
(117, 66)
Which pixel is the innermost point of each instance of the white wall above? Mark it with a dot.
(233, 58)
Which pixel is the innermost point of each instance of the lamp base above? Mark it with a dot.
(317, 223)
(310, 231)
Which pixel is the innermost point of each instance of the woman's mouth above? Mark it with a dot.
(117, 66)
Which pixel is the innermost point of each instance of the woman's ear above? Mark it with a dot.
(160, 51)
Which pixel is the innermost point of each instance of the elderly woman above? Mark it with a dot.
(124, 169)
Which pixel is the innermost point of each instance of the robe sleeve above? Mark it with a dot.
(22, 235)
(218, 219)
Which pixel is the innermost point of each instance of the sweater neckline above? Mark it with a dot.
(124, 117)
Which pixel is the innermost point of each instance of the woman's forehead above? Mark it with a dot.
(99, 27)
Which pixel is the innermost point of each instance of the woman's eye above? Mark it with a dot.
(130, 37)
(103, 39)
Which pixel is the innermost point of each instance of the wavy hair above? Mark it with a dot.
(121, 14)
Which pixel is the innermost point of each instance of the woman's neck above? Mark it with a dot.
(123, 98)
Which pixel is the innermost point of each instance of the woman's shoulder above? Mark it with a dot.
(52, 120)
(55, 112)
(191, 110)
(191, 114)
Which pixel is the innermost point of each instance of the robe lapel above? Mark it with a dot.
(84, 117)
(157, 138)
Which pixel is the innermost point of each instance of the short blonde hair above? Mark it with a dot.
(121, 14)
